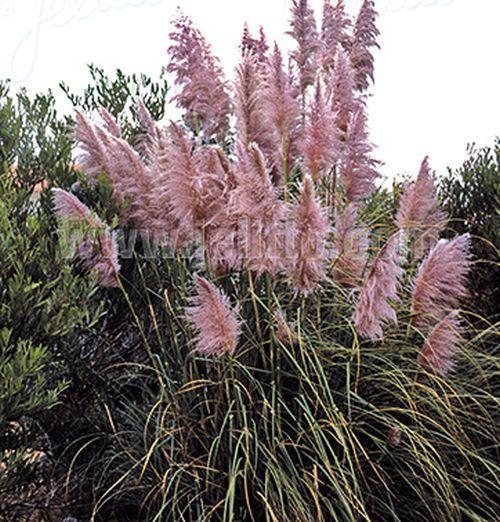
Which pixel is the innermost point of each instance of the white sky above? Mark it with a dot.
(437, 74)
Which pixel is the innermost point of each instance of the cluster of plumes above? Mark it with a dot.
(375, 304)
(93, 242)
(239, 204)
(203, 90)
(261, 216)
(419, 213)
(215, 320)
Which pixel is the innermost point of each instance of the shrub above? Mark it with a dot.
(471, 194)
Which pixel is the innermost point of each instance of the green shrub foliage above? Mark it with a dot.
(471, 194)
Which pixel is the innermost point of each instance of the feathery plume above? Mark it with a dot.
(319, 146)
(341, 86)
(137, 186)
(437, 355)
(351, 242)
(380, 288)
(152, 137)
(282, 115)
(250, 118)
(284, 332)
(305, 33)
(364, 38)
(259, 212)
(193, 190)
(334, 33)
(93, 157)
(96, 247)
(110, 123)
(203, 93)
(258, 47)
(311, 229)
(419, 210)
(220, 233)
(357, 169)
(215, 320)
(441, 282)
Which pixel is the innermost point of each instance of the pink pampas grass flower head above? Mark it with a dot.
(358, 170)
(96, 246)
(214, 319)
(198, 74)
(351, 242)
(285, 332)
(257, 47)
(334, 33)
(311, 229)
(363, 40)
(441, 282)
(319, 146)
(305, 33)
(419, 211)
(281, 107)
(374, 307)
(440, 348)
(260, 213)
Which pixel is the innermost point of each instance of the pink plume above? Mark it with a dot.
(440, 348)
(94, 158)
(110, 123)
(251, 125)
(257, 47)
(319, 146)
(341, 86)
(351, 242)
(358, 169)
(311, 229)
(282, 115)
(193, 190)
(203, 94)
(364, 38)
(284, 331)
(380, 288)
(259, 212)
(152, 138)
(220, 233)
(216, 322)
(305, 34)
(441, 282)
(97, 247)
(419, 210)
(334, 33)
